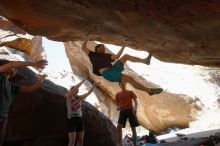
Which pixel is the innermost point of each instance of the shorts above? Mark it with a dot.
(75, 124)
(114, 73)
(3, 122)
(128, 114)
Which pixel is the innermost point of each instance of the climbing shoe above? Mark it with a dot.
(155, 91)
(148, 59)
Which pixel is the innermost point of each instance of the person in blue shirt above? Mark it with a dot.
(8, 89)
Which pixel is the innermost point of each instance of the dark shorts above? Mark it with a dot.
(128, 114)
(75, 124)
(3, 122)
(114, 74)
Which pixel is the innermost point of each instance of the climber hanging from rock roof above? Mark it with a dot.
(102, 66)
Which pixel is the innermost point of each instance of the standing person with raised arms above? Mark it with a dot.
(74, 117)
(8, 89)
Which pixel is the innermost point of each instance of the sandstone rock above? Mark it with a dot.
(156, 113)
(174, 31)
(16, 38)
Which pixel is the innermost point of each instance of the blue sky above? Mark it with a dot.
(56, 55)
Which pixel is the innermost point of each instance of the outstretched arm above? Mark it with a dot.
(117, 102)
(82, 97)
(72, 90)
(117, 56)
(18, 64)
(33, 87)
(84, 48)
(135, 103)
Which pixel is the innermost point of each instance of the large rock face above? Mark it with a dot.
(16, 38)
(156, 113)
(174, 31)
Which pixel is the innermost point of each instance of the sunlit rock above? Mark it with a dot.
(16, 38)
(174, 31)
(157, 112)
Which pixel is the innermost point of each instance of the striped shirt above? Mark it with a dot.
(71, 108)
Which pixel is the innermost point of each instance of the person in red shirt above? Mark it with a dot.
(124, 104)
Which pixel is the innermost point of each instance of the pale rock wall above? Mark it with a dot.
(156, 112)
(16, 38)
(181, 31)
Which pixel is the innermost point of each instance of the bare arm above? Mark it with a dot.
(33, 87)
(135, 102)
(117, 102)
(84, 48)
(82, 97)
(18, 64)
(117, 56)
(72, 90)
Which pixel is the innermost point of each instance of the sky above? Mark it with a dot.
(56, 55)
